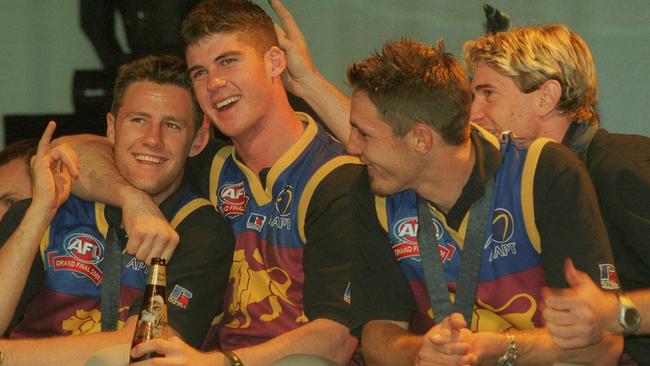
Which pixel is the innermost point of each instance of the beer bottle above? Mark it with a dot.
(152, 320)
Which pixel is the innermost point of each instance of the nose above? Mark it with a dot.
(152, 136)
(353, 147)
(215, 82)
(476, 110)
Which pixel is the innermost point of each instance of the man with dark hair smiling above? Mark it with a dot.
(74, 247)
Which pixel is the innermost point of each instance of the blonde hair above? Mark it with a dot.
(533, 55)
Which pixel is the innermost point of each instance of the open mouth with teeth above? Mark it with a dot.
(226, 103)
(149, 159)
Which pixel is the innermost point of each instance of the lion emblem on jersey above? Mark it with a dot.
(85, 322)
(492, 318)
(255, 286)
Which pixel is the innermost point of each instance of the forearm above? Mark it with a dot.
(64, 350)
(321, 337)
(99, 180)
(16, 257)
(330, 103)
(641, 298)
(536, 347)
(387, 343)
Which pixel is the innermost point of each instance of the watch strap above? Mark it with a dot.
(233, 358)
(626, 306)
(509, 358)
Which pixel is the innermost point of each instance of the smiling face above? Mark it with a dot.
(233, 82)
(152, 135)
(499, 105)
(389, 160)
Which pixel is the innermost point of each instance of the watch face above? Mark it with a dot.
(632, 318)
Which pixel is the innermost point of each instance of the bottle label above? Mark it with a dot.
(153, 320)
(158, 276)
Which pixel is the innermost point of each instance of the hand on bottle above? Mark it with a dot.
(175, 351)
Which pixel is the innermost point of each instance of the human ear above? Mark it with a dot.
(110, 127)
(421, 138)
(200, 140)
(276, 60)
(550, 93)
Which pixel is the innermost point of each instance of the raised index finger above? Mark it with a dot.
(44, 142)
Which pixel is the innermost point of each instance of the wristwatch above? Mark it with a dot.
(510, 357)
(628, 315)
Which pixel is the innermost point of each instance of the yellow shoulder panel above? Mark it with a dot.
(527, 200)
(313, 182)
(187, 209)
(100, 218)
(215, 170)
(380, 209)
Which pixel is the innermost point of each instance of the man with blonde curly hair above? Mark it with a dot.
(541, 82)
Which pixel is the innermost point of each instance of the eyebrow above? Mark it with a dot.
(216, 59)
(483, 86)
(174, 119)
(227, 54)
(163, 118)
(138, 114)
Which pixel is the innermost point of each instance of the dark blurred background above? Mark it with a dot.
(59, 57)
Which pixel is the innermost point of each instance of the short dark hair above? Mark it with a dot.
(230, 16)
(21, 149)
(412, 83)
(161, 70)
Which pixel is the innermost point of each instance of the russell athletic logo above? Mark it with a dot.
(256, 222)
(608, 277)
(233, 199)
(406, 232)
(180, 297)
(83, 253)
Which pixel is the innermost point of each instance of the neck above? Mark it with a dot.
(447, 172)
(275, 134)
(554, 127)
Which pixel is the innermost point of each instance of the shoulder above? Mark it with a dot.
(555, 158)
(611, 154)
(203, 231)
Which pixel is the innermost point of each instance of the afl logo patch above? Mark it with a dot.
(232, 199)
(83, 253)
(84, 247)
(406, 230)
